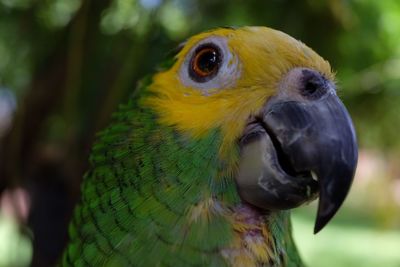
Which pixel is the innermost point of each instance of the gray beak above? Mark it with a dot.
(299, 139)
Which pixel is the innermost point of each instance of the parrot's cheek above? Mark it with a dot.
(300, 144)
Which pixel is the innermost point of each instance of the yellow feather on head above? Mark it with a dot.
(261, 58)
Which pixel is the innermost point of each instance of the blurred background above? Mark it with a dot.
(66, 64)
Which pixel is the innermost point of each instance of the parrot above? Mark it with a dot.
(204, 162)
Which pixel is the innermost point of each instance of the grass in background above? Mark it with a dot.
(15, 248)
(345, 244)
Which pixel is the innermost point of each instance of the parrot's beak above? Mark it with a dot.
(303, 141)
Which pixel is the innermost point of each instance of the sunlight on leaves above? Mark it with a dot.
(173, 19)
(122, 14)
(58, 13)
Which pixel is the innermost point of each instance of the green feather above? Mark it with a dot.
(137, 195)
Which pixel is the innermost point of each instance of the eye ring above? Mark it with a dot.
(205, 63)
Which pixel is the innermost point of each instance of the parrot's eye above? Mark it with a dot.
(210, 65)
(205, 63)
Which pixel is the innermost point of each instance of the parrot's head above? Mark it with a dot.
(273, 99)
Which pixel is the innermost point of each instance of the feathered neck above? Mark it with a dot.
(261, 238)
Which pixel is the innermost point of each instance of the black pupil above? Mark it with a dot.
(208, 61)
(205, 63)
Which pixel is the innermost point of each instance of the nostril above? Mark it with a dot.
(314, 84)
(310, 87)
